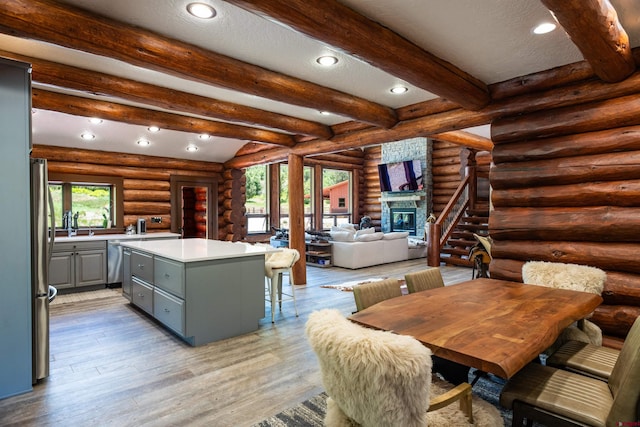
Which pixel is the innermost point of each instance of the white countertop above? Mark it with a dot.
(191, 250)
(86, 238)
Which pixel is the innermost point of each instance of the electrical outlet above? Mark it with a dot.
(156, 219)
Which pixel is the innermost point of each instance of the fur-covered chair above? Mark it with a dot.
(574, 277)
(376, 378)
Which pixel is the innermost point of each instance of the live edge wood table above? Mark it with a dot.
(492, 325)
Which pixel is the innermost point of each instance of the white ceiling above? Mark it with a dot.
(489, 39)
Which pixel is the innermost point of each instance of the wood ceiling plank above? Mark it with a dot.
(75, 28)
(357, 35)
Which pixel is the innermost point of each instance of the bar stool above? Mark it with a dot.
(276, 266)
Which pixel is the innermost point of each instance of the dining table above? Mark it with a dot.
(496, 326)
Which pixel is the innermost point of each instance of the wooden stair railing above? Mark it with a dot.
(440, 231)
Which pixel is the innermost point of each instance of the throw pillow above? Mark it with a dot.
(365, 231)
(348, 226)
(396, 235)
(369, 237)
(342, 236)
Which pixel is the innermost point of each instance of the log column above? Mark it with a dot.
(296, 216)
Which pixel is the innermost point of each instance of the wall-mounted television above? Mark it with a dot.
(401, 176)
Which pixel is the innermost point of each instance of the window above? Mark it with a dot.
(257, 199)
(336, 196)
(94, 202)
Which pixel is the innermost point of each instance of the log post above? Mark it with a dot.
(296, 217)
(433, 245)
(274, 195)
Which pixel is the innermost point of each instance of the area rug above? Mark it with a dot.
(487, 412)
(348, 286)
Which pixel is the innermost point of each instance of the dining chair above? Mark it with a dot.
(573, 277)
(558, 397)
(584, 358)
(368, 294)
(276, 265)
(376, 378)
(424, 280)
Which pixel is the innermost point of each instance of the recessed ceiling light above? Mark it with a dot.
(153, 129)
(87, 136)
(399, 89)
(201, 10)
(325, 113)
(204, 136)
(327, 60)
(95, 120)
(192, 148)
(544, 28)
(143, 142)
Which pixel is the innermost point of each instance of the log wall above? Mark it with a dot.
(566, 188)
(371, 205)
(232, 221)
(146, 179)
(446, 173)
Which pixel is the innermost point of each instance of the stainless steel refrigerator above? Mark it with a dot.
(42, 237)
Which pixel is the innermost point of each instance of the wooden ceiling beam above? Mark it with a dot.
(425, 126)
(74, 28)
(594, 28)
(357, 35)
(466, 139)
(95, 83)
(581, 92)
(86, 107)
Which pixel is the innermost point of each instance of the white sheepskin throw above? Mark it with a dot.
(484, 413)
(375, 378)
(568, 276)
(283, 259)
(564, 276)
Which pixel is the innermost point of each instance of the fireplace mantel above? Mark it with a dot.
(390, 198)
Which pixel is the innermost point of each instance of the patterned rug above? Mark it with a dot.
(348, 286)
(310, 413)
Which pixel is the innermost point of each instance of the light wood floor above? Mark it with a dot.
(112, 365)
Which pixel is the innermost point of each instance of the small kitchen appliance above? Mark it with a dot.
(142, 226)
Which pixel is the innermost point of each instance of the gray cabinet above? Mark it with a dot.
(169, 310)
(78, 264)
(200, 301)
(142, 294)
(126, 273)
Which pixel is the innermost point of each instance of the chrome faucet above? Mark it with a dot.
(72, 223)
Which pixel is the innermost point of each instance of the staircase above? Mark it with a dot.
(456, 249)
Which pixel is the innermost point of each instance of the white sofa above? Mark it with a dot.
(370, 248)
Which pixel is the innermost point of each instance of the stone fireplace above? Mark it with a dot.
(403, 219)
(412, 208)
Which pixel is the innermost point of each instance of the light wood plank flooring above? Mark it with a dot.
(111, 365)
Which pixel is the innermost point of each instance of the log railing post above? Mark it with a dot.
(433, 244)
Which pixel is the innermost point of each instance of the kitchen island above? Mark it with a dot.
(202, 290)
